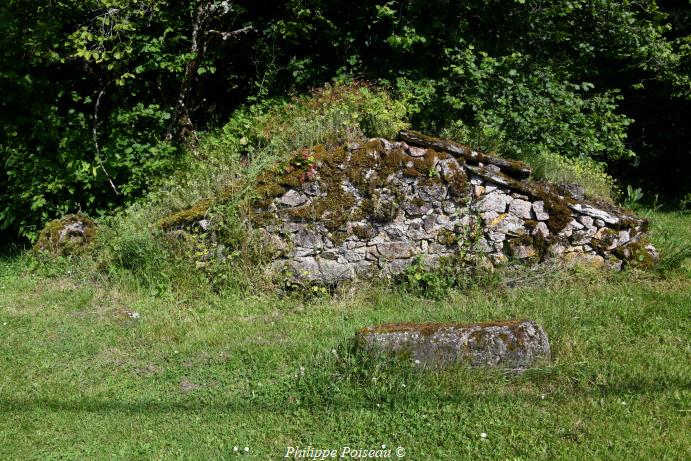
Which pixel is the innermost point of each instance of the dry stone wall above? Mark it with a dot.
(369, 209)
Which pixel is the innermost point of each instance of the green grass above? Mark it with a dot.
(199, 373)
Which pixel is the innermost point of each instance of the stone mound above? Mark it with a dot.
(368, 209)
(66, 235)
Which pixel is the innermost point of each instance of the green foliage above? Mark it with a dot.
(685, 203)
(527, 108)
(98, 94)
(586, 172)
(419, 280)
(633, 197)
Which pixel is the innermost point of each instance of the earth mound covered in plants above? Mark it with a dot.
(375, 208)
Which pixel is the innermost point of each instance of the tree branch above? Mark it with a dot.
(95, 137)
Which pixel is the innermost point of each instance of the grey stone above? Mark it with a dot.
(449, 207)
(587, 221)
(576, 225)
(476, 181)
(395, 250)
(541, 230)
(521, 208)
(513, 345)
(416, 209)
(432, 193)
(293, 198)
(574, 190)
(594, 212)
(510, 224)
(308, 238)
(539, 209)
(334, 272)
(416, 151)
(494, 201)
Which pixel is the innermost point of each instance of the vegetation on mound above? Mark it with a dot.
(369, 168)
(260, 153)
(70, 234)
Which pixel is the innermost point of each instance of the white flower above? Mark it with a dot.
(247, 449)
(4, 323)
(134, 315)
(383, 445)
(235, 448)
(542, 396)
(417, 362)
(483, 435)
(623, 403)
(402, 384)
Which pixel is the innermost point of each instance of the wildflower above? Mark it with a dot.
(483, 435)
(542, 396)
(235, 448)
(417, 362)
(247, 449)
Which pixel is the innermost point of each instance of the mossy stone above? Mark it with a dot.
(66, 236)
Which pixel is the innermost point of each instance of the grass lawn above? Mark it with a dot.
(92, 369)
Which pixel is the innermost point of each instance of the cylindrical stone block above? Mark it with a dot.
(513, 344)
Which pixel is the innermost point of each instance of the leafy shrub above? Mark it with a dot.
(587, 172)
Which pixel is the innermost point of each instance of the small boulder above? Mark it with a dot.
(513, 344)
(66, 235)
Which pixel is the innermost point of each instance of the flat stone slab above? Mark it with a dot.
(512, 344)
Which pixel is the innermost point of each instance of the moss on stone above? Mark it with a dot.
(428, 329)
(363, 232)
(635, 254)
(67, 235)
(447, 237)
(556, 206)
(187, 216)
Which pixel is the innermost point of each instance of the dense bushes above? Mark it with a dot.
(102, 98)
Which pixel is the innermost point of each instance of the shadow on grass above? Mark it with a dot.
(463, 399)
